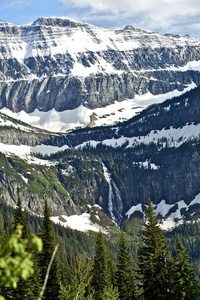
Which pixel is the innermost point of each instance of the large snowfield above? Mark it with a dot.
(56, 121)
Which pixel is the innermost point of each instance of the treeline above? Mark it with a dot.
(159, 275)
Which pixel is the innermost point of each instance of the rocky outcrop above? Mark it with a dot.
(68, 188)
(93, 118)
(33, 200)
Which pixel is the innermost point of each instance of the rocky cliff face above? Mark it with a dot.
(57, 63)
(156, 154)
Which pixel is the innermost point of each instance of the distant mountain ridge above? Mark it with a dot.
(61, 64)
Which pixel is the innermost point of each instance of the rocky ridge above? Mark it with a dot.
(61, 64)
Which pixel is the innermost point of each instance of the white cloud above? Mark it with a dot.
(154, 14)
(195, 26)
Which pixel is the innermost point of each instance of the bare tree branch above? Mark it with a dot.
(47, 273)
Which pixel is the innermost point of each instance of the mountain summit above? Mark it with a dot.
(62, 64)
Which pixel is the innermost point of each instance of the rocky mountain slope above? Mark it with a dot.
(56, 65)
(156, 154)
(61, 64)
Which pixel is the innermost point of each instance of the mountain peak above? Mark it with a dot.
(54, 21)
(129, 27)
(4, 23)
(74, 63)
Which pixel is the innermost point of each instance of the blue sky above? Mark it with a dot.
(172, 16)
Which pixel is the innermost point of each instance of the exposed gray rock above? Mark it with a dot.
(57, 63)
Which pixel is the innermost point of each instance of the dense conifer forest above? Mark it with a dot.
(138, 262)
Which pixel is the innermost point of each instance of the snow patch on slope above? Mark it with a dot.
(146, 165)
(8, 123)
(25, 152)
(55, 121)
(78, 222)
(24, 178)
(190, 66)
(133, 209)
(172, 137)
(171, 215)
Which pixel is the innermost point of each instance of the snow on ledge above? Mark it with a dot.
(78, 222)
(25, 152)
(171, 221)
(133, 209)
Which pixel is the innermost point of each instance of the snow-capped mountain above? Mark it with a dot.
(60, 64)
(58, 75)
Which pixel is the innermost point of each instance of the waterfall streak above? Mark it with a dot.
(114, 197)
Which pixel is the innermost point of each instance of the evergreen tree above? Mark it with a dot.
(19, 218)
(110, 293)
(125, 275)
(101, 273)
(186, 284)
(76, 290)
(154, 259)
(47, 236)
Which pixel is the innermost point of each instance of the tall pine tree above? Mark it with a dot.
(48, 239)
(101, 271)
(125, 277)
(153, 259)
(77, 289)
(19, 218)
(186, 285)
